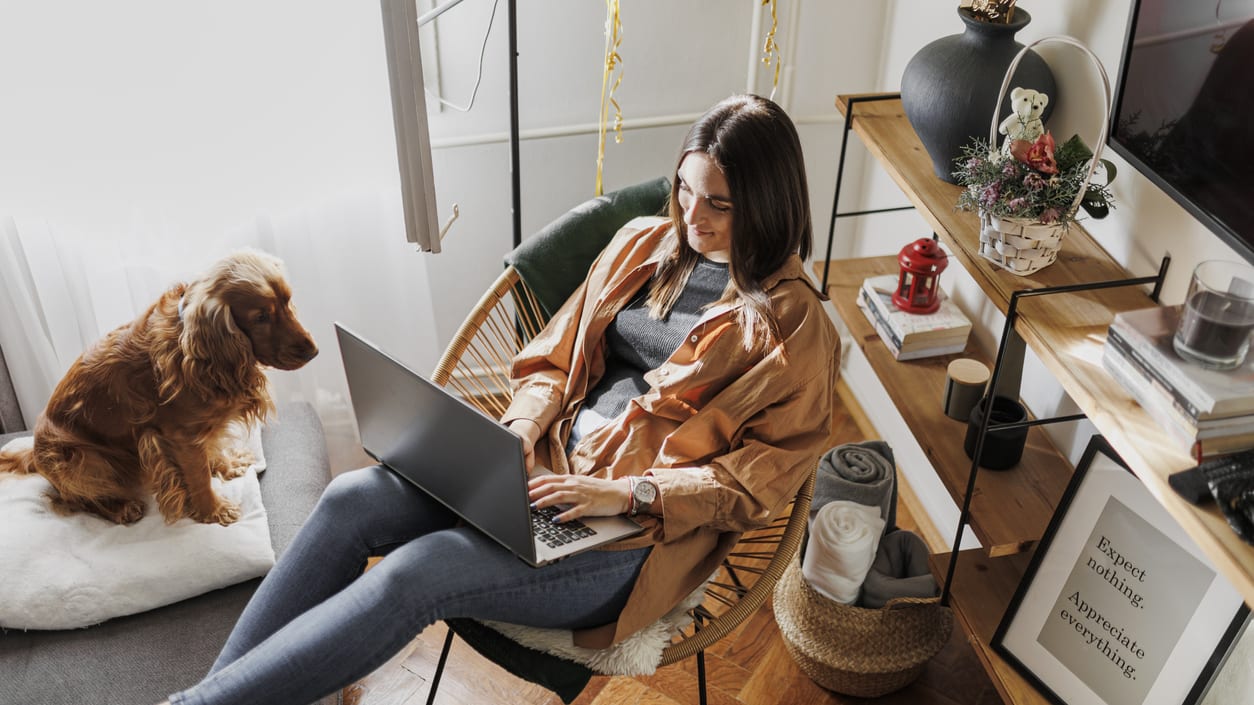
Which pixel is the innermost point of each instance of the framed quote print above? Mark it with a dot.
(1118, 605)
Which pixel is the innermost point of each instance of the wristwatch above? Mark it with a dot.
(643, 495)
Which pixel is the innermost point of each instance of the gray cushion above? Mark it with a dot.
(142, 658)
(10, 412)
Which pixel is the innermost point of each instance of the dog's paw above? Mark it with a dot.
(233, 463)
(226, 513)
(129, 512)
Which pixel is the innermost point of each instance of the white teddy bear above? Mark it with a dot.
(1025, 122)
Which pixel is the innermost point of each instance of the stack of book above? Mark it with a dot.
(910, 336)
(1207, 412)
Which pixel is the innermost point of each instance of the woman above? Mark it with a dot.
(689, 380)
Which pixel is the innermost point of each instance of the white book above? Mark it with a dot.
(948, 322)
(1159, 407)
(941, 347)
(1211, 393)
(1148, 380)
(1155, 403)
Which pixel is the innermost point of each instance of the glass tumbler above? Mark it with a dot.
(1218, 315)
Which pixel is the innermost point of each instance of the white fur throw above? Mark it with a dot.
(65, 572)
(637, 655)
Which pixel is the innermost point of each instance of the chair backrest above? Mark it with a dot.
(540, 275)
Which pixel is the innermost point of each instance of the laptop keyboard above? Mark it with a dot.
(554, 535)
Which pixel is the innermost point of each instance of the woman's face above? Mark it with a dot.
(706, 202)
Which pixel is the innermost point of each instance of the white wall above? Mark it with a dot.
(194, 120)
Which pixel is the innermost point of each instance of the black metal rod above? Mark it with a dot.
(874, 211)
(840, 177)
(439, 667)
(1072, 288)
(701, 677)
(515, 166)
(1162, 276)
(731, 572)
(1036, 422)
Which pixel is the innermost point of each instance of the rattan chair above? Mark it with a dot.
(476, 366)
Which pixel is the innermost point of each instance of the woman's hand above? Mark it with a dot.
(584, 496)
(529, 431)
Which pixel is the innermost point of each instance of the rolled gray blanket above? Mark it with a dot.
(899, 570)
(859, 472)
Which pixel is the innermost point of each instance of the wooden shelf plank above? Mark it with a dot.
(1066, 331)
(983, 587)
(1010, 509)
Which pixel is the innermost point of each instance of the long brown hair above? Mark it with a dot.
(756, 147)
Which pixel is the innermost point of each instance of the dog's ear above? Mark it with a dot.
(217, 355)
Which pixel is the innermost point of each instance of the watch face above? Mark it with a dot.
(646, 492)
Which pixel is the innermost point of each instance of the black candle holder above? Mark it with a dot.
(1002, 447)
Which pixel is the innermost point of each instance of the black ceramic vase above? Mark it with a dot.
(949, 87)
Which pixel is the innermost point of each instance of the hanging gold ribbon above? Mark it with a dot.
(770, 49)
(613, 38)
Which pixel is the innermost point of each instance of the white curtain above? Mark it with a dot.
(62, 288)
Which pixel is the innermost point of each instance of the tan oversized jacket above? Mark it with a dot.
(728, 434)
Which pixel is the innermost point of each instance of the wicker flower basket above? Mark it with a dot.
(858, 651)
(1021, 245)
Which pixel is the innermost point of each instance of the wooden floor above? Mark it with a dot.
(750, 666)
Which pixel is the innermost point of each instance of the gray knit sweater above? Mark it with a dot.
(637, 343)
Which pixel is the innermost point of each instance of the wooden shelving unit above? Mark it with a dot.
(1066, 332)
(1010, 509)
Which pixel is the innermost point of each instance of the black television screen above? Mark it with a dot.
(1184, 110)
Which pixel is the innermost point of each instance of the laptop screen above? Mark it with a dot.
(446, 447)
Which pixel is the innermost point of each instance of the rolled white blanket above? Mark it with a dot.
(844, 537)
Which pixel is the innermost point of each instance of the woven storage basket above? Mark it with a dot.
(1021, 245)
(858, 651)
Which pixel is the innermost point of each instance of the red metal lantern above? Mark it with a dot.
(918, 287)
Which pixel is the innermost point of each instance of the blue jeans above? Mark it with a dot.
(318, 623)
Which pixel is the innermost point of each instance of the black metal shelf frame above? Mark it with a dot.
(840, 176)
(1010, 348)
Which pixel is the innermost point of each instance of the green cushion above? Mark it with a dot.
(554, 261)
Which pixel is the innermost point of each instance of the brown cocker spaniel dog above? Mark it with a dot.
(145, 411)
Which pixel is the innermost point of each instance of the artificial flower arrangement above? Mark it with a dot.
(1034, 180)
(998, 11)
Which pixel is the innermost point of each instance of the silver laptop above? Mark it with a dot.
(458, 455)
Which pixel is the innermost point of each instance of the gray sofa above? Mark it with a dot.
(140, 659)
